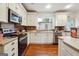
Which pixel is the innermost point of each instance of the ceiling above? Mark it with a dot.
(40, 7)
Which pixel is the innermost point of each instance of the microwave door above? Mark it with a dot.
(14, 18)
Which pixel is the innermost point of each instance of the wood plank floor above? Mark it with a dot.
(41, 50)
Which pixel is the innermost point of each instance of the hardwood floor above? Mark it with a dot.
(41, 50)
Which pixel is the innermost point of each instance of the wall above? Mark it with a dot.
(75, 16)
(77, 20)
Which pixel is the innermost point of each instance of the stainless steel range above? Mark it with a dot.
(22, 44)
(58, 32)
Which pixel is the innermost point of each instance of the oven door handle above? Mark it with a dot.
(22, 38)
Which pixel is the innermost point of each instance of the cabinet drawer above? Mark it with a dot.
(71, 50)
(14, 43)
(11, 44)
(65, 53)
(11, 48)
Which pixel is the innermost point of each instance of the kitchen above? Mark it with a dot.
(27, 27)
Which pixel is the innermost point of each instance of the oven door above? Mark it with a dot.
(22, 44)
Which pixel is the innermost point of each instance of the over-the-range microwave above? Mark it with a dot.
(14, 17)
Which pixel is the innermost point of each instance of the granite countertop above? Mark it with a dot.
(7, 40)
(72, 42)
(37, 31)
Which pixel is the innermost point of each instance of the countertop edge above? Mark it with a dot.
(9, 41)
(61, 37)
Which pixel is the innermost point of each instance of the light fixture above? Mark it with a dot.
(48, 6)
(68, 6)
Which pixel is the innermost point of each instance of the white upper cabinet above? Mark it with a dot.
(3, 12)
(14, 6)
(32, 19)
(61, 19)
(24, 15)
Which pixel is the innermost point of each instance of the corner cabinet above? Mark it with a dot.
(3, 12)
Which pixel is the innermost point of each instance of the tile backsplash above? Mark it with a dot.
(7, 26)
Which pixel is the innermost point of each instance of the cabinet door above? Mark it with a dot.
(61, 20)
(42, 38)
(23, 13)
(64, 20)
(50, 37)
(3, 12)
(58, 20)
(11, 48)
(60, 47)
(13, 6)
(65, 53)
(24, 20)
(32, 19)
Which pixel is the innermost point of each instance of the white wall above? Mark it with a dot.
(77, 19)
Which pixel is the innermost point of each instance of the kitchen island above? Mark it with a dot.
(40, 37)
(68, 46)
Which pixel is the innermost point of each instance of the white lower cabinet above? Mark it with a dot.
(10, 48)
(65, 53)
(41, 37)
(72, 51)
(66, 50)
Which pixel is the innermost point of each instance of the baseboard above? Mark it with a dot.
(40, 43)
(55, 43)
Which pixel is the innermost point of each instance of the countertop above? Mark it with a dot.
(37, 31)
(7, 40)
(72, 42)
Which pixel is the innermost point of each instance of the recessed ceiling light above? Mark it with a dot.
(48, 6)
(68, 6)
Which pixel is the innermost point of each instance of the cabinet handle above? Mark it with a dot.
(12, 49)
(12, 43)
(13, 54)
